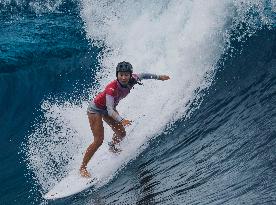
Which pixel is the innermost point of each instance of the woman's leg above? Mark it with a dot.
(118, 128)
(96, 125)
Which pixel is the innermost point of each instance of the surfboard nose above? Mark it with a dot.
(72, 184)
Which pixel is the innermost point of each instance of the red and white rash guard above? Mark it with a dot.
(114, 92)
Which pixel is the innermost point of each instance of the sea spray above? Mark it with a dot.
(184, 39)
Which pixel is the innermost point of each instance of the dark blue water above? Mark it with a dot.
(224, 153)
(41, 56)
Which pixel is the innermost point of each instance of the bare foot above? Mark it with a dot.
(84, 172)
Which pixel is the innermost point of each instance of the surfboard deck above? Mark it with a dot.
(72, 184)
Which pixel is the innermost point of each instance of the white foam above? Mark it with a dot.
(183, 39)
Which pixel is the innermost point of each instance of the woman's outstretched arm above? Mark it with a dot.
(145, 76)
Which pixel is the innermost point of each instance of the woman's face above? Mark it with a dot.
(123, 77)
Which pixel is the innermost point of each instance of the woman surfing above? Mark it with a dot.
(103, 107)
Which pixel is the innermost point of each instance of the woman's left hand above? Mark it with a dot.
(126, 122)
(163, 77)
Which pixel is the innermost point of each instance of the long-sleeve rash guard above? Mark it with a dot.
(114, 92)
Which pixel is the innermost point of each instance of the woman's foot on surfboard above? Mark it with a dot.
(113, 148)
(84, 172)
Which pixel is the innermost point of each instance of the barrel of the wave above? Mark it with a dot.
(103, 109)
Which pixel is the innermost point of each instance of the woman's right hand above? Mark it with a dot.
(126, 122)
(163, 77)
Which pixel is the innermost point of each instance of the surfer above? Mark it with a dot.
(103, 107)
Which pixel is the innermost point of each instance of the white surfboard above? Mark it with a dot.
(72, 184)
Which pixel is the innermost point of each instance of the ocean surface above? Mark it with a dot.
(206, 136)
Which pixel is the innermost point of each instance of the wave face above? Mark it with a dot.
(204, 137)
(224, 153)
